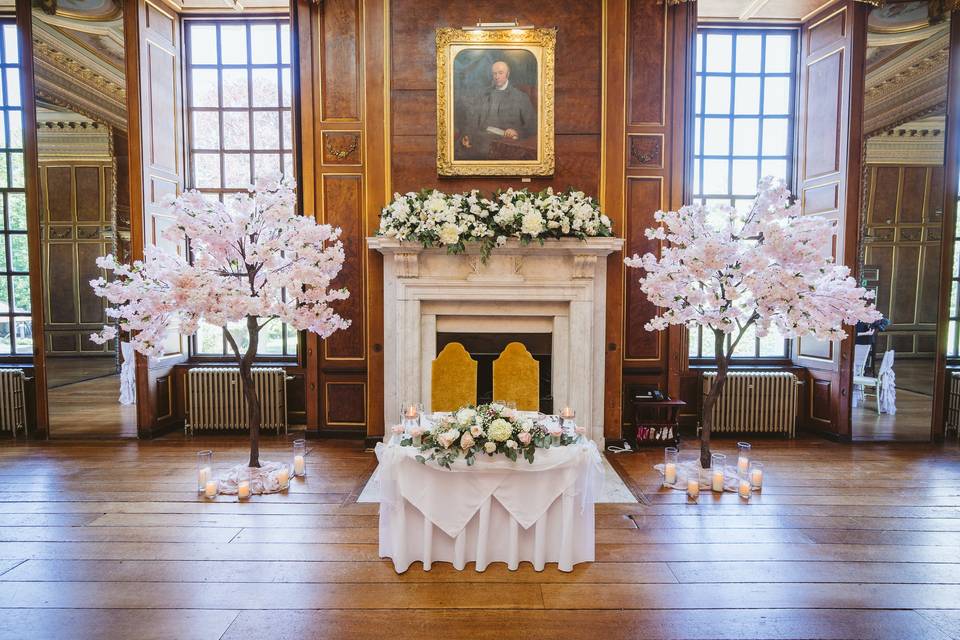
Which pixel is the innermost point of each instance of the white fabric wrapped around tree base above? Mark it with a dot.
(262, 479)
(688, 468)
(128, 375)
(494, 511)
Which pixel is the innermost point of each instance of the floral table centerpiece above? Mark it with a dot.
(488, 429)
(436, 219)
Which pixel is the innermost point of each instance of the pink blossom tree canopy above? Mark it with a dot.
(769, 268)
(251, 258)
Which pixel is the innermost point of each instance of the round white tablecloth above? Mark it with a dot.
(493, 511)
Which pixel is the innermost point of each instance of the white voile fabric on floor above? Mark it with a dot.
(494, 511)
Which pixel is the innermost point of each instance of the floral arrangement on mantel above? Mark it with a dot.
(487, 429)
(437, 219)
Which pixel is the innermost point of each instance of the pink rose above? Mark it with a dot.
(525, 437)
(416, 432)
(466, 441)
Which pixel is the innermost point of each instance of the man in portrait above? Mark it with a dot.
(498, 124)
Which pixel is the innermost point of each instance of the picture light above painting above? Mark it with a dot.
(495, 102)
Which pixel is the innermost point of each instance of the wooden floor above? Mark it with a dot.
(90, 409)
(108, 540)
(911, 423)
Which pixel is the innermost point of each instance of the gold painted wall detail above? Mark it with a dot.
(453, 379)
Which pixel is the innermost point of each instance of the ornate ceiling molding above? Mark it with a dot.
(47, 53)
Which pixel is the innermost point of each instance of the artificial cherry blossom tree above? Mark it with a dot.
(768, 269)
(252, 259)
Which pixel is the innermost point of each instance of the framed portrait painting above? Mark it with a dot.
(495, 102)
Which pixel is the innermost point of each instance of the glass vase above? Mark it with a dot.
(204, 469)
(693, 485)
(743, 486)
(717, 463)
(670, 455)
(243, 484)
(743, 458)
(756, 475)
(300, 458)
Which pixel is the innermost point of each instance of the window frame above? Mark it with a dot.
(291, 352)
(698, 117)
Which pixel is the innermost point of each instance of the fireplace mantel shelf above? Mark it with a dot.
(558, 287)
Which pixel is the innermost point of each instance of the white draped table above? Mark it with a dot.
(494, 511)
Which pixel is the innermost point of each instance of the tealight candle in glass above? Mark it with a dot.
(756, 475)
(300, 457)
(670, 455)
(243, 484)
(283, 476)
(717, 462)
(204, 469)
(410, 411)
(743, 457)
(743, 486)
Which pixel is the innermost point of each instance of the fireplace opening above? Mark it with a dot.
(486, 347)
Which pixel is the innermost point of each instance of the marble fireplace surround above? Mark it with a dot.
(558, 288)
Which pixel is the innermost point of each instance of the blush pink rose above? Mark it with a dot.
(525, 437)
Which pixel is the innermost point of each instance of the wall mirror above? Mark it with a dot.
(901, 219)
(84, 210)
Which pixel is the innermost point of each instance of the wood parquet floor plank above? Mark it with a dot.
(109, 540)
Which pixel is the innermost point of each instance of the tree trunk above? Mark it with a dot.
(250, 391)
(711, 399)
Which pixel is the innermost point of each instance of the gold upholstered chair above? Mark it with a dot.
(516, 378)
(453, 381)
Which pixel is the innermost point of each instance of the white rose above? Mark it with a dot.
(476, 430)
(511, 444)
(490, 447)
(526, 425)
(466, 416)
(532, 223)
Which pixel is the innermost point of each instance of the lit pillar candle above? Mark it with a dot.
(743, 464)
(299, 466)
(756, 478)
(670, 473)
(693, 488)
(243, 489)
(744, 489)
(717, 478)
(210, 489)
(566, 413)
(283, 476)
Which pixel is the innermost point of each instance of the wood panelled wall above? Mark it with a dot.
(367, 114)
(903, 221)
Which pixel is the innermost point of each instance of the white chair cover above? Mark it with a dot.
(860, 354)
(128, 376)
(887, 386)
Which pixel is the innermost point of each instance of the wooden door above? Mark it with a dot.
(832, 50)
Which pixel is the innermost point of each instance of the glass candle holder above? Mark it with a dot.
(204, 469)
(743, 486)
(670, 465)
(717, 463)
(283, 477)
(300, 457)
(743, 457)
(410, 411)
(756, 475)
(243, 484)
(693, 486)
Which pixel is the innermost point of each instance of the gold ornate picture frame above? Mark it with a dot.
(495, 102)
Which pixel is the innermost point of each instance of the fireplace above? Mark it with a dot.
(486, 347)
(553, 297)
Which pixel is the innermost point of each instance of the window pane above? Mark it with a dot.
(699, 55)
(287, 131)
(16, 129)
(203, 44)
(17, 211)
(206, 130)
(10, 53)
(21, 294)
(23, 335)
(719, 52)
(288, 165)
(747, 347)
(715, 176)
(203, 87)
(718, 95)
(13, 87)
(285, 73)
(266, 164)
(266, 130)
(266, 91)
(271, 338)
(235, 88)
(236, 130)
(209, 339)
(716, 136)
(776, 96)
(772, 345)
(747, 96)
(236, 170)
(16, 170)
(745, 136)
(6, 344)
(745, 177)
(285, 43)
(775, 137)
(206, 170)
(748, 53)
(18, 252)
(263, 43)
(233, 44)
(775, 168)
(779, 57)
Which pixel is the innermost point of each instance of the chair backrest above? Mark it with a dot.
(453, 381)
(516, 378)
(886, 365)
(860, 353)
